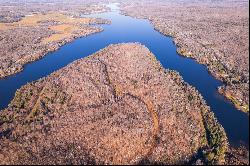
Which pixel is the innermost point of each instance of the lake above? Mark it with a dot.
(127, 29)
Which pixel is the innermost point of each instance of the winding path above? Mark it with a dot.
(127, 29)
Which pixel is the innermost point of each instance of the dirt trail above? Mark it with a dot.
(120, 109)
(119, 93)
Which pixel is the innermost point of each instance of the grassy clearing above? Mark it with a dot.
(38, 19)
(62, 31)
(67, 26)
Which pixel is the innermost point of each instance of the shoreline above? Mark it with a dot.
(241, 107)
(54, 47)
(214, 144)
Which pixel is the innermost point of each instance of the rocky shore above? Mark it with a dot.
(118, 106)
(215, 33)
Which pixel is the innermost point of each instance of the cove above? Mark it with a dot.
(127, 29)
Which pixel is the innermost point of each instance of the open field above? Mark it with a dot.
(215, 33)
(34, 35)
(13, 11)
(120, 105)
(38, 19)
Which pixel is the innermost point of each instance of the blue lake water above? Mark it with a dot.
(127, 29)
